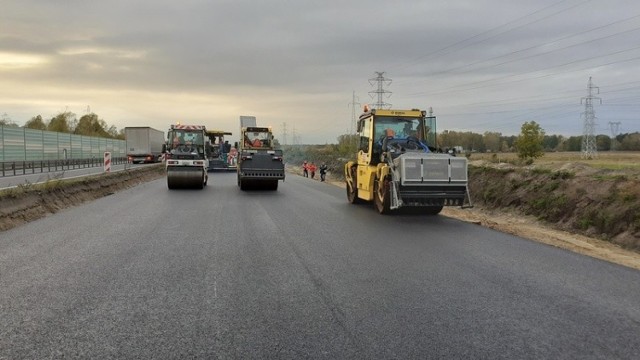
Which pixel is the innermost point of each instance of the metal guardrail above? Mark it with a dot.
(14, 168)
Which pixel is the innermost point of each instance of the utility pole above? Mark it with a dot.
(589, 149)
(614, 126)
(380, 92)
(353, 103)
(353, 129)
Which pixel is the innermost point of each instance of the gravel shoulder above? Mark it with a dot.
(529, 228)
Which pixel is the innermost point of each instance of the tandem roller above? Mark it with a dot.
(185, 157)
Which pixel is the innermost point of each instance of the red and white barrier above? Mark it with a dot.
(107, 161)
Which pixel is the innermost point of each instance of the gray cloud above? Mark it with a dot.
(484, 65)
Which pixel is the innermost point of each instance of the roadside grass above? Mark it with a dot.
(611, 160)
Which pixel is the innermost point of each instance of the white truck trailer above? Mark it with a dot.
(144, 144)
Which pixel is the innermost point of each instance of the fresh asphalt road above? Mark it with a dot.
(298, 273)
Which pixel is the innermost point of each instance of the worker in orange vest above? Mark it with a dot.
(312, 169)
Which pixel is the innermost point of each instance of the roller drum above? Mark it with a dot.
(192, 179)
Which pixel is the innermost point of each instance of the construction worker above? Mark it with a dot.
(256, 142)
(312, 169)
(323, 171)
(176, 141)
(305, 169)
(231, 157)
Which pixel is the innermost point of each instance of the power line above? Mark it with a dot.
(415, 61)
(539, 54)
(531, 48)
(456, 88)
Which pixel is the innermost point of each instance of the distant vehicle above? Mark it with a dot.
(144, 144)
(185, 157)
(260, 164)
(248, 121)
(221, 154)
(396, 168)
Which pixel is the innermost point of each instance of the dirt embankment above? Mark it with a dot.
(573, 197)
(33, 201)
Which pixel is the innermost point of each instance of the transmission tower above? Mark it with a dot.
(589, 149)
(295, 135)
(380, 92)
(614, 126)
(284, 133)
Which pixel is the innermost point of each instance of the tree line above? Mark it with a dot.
(496, 142)
(67, 122)
(532, 138)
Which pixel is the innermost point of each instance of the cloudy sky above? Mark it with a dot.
(482, 65)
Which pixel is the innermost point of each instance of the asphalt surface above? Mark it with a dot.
(298, 273)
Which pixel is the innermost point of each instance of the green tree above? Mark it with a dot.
(113, 132)
(529, 144)
(467, 140)
(573, 143)
(473, 141)
(603, 142)
(91, 125)
(6, 121)
(552, 142)
(347, 145)
(510, 141)
(62, 122)
(491, 141)
(631, 142)
(36, 122)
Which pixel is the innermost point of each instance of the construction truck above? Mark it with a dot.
(221, 154)
(395, 166)
(185, 157)
(260, 164)
(144, 144)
